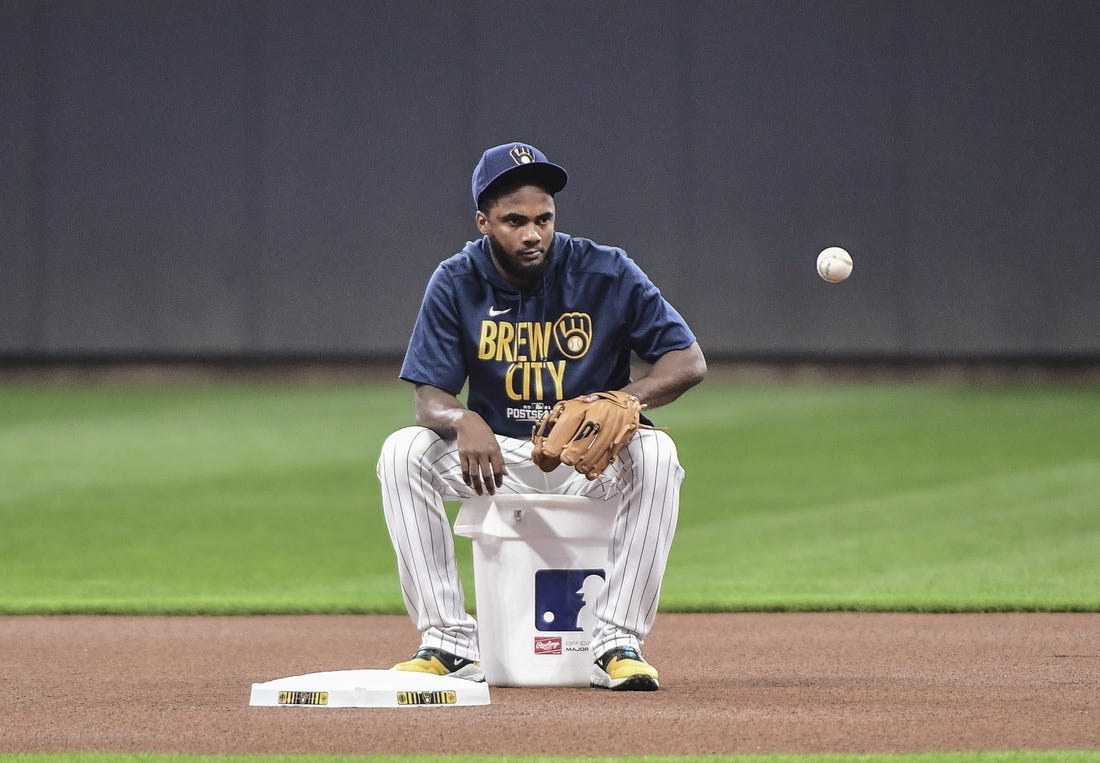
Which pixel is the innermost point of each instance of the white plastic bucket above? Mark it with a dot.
(539, 561)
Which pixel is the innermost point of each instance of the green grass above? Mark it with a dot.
(974, 757)
(222, 499)
(870, 497)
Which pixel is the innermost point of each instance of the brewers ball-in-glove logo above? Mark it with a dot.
(521, 155)
(573, 334)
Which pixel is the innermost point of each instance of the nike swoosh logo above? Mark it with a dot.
(494, 311)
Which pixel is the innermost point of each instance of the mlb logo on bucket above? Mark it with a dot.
(564, 599)
(547, 644)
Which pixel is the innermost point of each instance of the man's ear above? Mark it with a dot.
(482, 222)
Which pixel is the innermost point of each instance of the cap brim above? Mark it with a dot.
(549, 176)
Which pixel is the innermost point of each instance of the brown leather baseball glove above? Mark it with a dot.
(585, 432)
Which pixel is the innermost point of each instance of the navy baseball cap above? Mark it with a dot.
(516, 160)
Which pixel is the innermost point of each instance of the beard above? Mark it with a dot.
(518, 270)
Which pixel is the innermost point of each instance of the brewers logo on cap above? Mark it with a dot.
(522, 155)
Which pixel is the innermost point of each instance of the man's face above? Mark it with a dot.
(520, 228)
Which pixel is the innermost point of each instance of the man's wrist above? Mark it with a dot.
(466, 419)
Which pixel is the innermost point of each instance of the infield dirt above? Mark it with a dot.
(732, 683)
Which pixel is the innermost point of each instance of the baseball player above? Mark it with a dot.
(525, 317)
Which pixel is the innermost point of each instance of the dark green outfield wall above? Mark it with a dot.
(275, 177)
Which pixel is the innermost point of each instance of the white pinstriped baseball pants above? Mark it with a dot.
(419, 470)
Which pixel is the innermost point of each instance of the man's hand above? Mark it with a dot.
(479, 453)
(478, 449)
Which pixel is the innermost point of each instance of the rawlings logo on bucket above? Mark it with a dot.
(548, 645)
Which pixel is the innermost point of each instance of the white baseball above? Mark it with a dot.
(834, 264)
